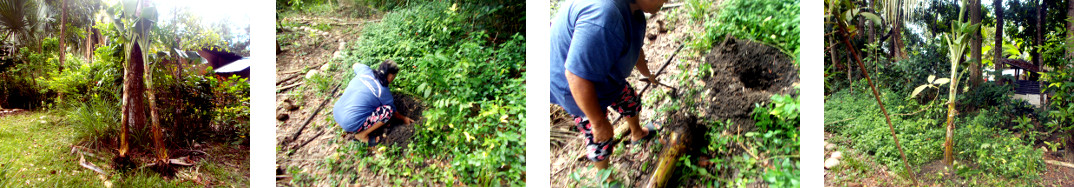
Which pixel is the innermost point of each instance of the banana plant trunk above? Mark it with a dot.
(948, 153)
(158, 141)
(132, 106)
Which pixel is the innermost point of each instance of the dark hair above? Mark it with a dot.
(386, 67)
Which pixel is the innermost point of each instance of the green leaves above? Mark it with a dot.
(932, 83)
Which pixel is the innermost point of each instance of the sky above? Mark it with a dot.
(236, 13)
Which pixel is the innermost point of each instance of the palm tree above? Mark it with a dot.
(22, 20)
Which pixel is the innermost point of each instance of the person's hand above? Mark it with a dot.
(408, 121)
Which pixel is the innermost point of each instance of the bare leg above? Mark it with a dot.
(636, 131)
(602, 132)
(363, 136)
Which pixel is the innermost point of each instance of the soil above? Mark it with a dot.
(397, 133)
(745, 73)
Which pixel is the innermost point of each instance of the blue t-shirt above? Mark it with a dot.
(598, 40)
(363, 95)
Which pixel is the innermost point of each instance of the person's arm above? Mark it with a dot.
(585, 95)
(406, 120)
(643, 67)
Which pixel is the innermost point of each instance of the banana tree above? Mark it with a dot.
(957, 43)
(134, 19)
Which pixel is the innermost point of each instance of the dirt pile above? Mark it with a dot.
(745, 73)
(397, 133)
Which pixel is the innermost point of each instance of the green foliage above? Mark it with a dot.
(932, 83)
(771, 22)
(987, 94)
(922, 134)
(991, 149)
(785, 109)
(597, 181)
(697, 9)
(1061, 105)
(776, 138)
(786, 174)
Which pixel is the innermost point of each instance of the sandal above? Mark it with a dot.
(373, 140)
(653, 131)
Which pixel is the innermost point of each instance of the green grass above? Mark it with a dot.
(35, 151)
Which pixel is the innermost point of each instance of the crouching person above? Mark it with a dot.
(367, 103)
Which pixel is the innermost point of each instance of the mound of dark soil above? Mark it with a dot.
(397, 133)
(745, 73)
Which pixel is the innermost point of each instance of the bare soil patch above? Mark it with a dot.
(745, 73)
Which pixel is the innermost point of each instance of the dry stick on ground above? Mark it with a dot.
(1060, 163)
(293, 76)
(333, 95)
(288, 87)
(312, 115)
(876, 94)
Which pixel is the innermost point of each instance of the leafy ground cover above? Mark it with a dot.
(461, 73)
(991, 151)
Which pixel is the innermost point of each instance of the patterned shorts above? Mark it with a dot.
(380, 115)
(628, 105)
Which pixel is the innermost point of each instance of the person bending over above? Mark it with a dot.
(595, 45)
(367, 103)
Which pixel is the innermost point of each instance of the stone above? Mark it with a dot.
(830, 163)
(837, 155)
(311, 73)
(829, 146)
(325, 67)
(282, 117)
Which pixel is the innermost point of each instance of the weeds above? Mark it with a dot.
(770, 22)
(980, 142)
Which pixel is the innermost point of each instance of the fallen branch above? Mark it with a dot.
(293, 76)
(1060, 163)
(89, 165)
(287, 87)
(876, 94)
(310, 118)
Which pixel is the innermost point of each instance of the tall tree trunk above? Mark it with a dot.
(63, 32)
(1037, 37)
(998, 55)
(975, 45)
(1070, 27)
(89, 44)
(133, 105)
(1042, 16)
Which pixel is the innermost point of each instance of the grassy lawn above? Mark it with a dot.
(36, 151)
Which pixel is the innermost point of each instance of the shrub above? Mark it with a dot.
(473, 85)
(771, 22)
